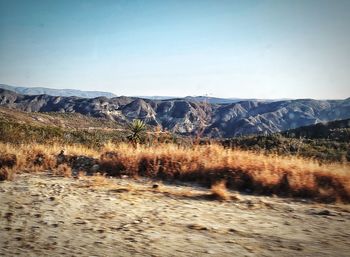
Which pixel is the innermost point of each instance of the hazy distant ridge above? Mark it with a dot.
(56, 92)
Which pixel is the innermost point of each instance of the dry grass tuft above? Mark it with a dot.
(7, 163)
(63, 170)
(95, 181)
(99, 180)
(219, 191)
(8, 160)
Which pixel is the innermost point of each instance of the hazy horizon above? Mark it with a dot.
(227, 49)
(179, 96)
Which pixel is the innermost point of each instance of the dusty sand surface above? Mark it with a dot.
(43, 215)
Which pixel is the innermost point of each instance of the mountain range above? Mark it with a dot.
(56, 92)
(94, 94)
(188, 117)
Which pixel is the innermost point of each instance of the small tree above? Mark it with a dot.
(137, 129)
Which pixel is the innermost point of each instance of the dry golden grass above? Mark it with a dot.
(207, 165)
(219, 191)
(38, 157)
(243, 170)
(51, 149)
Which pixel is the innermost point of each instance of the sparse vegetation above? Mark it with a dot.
(272, 164)
(17, 133)
(321, 149)
(324, 142)
(325, 150)
(204, 164)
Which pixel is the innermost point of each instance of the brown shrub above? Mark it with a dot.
(112, 167)
(8, 160)
(37, 160)
(7, 173)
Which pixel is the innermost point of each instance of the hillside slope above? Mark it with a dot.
(188, 117)
(323, 141)
(338, 130)
(54, 119)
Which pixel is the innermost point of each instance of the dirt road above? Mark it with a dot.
(42, 215)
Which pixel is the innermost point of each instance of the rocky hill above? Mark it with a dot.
(188, 117)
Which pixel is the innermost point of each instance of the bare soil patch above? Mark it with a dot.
(45, 215)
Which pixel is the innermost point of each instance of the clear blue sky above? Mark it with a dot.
(260, 49)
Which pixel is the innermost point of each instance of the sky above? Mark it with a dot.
(244, 49)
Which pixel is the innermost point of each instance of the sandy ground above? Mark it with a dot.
(43, 215)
